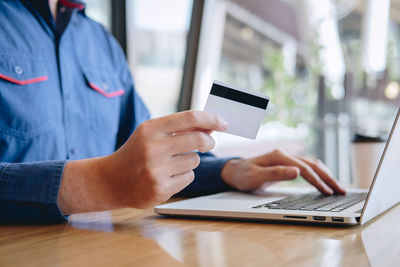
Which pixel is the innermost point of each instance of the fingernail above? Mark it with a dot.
(224, 123)
(292, 172)
(329, 191)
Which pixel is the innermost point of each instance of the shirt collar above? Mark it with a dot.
(43, 4)
(43, 9)
(80, 5)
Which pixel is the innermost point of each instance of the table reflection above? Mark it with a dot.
(234, 243)
(192, 242)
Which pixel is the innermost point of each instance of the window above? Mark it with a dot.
(157, 35)
(100, 11)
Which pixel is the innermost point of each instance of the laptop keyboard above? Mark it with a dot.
(316, 202)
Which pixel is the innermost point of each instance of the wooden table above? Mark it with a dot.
(131, 237)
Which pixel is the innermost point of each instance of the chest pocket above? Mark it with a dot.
(23, 96)
(105, 91)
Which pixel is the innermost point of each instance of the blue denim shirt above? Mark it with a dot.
(65, 94)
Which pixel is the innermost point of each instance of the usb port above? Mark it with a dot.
(319, 218)
(337, 219)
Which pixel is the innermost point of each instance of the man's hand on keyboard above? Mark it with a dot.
(250, 174)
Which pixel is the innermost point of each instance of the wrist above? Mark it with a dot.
(85, 187)
(229, 170)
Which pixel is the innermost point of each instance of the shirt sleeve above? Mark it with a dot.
(208, 178)
(29, 191)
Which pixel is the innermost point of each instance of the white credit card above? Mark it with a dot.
(242, 109)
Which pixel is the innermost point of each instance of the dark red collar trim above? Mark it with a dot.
(72, 4)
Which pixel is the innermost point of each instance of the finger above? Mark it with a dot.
(323, 173)
(281, 158)
(184, 162)
(189, 142)
(191, 119)
(178, 182)
(195, 129)
(274, 173)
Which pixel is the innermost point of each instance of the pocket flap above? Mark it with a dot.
(106, 84)
(22, 70)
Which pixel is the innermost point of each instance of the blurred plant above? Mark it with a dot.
(293, 97)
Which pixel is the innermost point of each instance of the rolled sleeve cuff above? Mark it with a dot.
(29, 192)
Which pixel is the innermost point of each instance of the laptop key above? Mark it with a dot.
(337, 209)
(307, 208)
(292, 208)
(277, 207)
(311, 207)
(324, 209)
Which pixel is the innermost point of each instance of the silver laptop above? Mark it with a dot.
(356, 207)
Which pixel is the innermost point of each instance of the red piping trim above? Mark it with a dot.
(34, 80)
(72, 5)
(108, 95)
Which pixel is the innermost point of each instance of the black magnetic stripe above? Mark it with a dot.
(238, 96)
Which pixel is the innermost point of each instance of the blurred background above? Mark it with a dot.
(330, 67)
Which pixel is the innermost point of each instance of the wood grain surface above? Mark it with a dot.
(129, 237)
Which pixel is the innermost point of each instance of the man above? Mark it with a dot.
(75, 136)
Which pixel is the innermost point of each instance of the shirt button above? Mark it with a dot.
(18, 70)
(105, 87)
(62, 9)
(72, 151)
